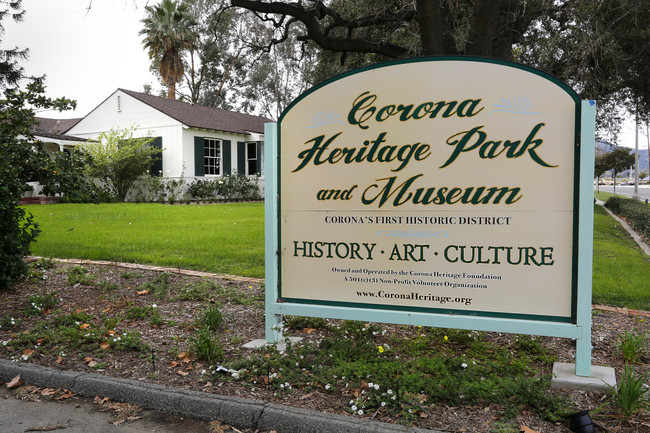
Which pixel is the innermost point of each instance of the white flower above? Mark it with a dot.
(390, 391)
(154, 306)
(360, 412)
(376, 386)
(383, 403)
(328, 386)
(463, 365)
(354, 408)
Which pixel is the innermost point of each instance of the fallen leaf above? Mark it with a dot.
(183, 355)
(309, 330)
(423, 415)
(526, 429)
(101, 400)
(40, 341)
(59, 359)
(105, 345)
(107, 309)
(182, 373)
(92, 364)
(14, 383)
(173, 364)
(27, 353)
(65, 395)
(142, 292)
(84, 326)
(80, 310)
(111, 332)
(47, 392)
(87, 359)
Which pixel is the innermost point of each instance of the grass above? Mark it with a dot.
(621, 270)
(229, 238)
(221, 238)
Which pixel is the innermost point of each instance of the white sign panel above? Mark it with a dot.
(432, 185)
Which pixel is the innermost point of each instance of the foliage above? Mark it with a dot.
(67, 176)
(168, 29)
(207, 346)
(636, 213)
(120, 160)
(600, 48)
(631, 395)
(229, 187)
(632, 345)
(10, 71)
(210, 318)
(20, 163)
(393, 378)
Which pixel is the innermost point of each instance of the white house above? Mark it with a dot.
(197, 141)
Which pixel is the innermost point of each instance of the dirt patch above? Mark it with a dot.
(143, 323)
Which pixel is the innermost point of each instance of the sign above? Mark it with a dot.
(450, 192)
(432, 185)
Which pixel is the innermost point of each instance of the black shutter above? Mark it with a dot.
(227, 165)
(157, 166)
(199, 159)
(241, 157)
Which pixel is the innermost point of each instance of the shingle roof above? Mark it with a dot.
(198, 116)
(55, 128)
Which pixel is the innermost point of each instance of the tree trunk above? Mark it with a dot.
(171, 91)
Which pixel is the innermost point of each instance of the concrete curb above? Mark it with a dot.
(239, 412)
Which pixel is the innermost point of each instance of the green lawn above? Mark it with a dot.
(222, 238)
(229, 238)
(621, 269)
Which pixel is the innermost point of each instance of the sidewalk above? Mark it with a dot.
(19, 416)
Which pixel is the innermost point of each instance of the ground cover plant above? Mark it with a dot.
(224, 238)
(229, 238)
(188, 332)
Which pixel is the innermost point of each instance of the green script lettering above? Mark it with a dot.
(363, 109)
(475, 138)
(372, 151)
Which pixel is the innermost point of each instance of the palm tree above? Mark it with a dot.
(168, 30)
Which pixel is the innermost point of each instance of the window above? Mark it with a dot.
(251, 158)
(212, 156)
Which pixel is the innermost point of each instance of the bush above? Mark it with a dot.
(636, 213)
(20, 162)
(229, 187)
(203, 189)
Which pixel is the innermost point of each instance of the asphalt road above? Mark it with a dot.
(627, 191)
(79, 415)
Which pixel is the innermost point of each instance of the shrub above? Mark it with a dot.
(636, 213)
(20, 162)
(229, 187)
(203, 189)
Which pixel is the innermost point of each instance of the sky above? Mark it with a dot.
(88, 53)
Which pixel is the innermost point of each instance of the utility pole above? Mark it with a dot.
(635, 196)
